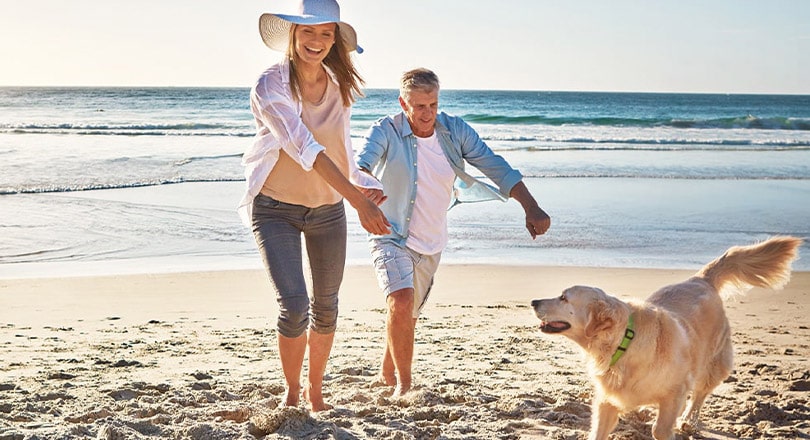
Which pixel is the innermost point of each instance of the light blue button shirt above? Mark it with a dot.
(389, 152)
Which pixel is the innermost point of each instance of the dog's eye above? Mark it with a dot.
(563, 298)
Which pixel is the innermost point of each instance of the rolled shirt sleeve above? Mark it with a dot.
(279, 117)
(278, 126)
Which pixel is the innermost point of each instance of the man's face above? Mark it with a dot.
(420, 108)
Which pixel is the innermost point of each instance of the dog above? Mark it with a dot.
(673, 349)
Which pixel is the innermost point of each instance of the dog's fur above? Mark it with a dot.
(682, 346)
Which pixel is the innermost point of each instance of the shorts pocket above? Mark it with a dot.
(394, 270)
(384, 275)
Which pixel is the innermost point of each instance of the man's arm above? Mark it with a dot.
(374, 148)
(537, 221)
(478, 154)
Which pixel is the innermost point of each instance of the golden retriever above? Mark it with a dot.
(677, 348)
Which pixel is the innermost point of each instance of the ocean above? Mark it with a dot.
(117, 180)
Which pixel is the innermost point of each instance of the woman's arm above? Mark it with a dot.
(371, 217)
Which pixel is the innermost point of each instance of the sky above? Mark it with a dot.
(701, 46)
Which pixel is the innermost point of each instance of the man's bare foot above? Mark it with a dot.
(315, 399)
(389, 379)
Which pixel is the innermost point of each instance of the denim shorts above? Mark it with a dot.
(278, 228)
(400, 268)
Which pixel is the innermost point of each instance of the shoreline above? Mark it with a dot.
(609, 222)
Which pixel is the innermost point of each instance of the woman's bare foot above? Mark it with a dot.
(315, 399)
(401, 390)
(291, 398)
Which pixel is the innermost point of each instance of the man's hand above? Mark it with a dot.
(537, 221)
(375, 195)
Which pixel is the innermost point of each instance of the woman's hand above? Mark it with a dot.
(371, 217)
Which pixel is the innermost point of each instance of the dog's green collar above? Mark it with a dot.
(629, 334)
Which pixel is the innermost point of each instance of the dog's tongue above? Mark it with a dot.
(554, 326)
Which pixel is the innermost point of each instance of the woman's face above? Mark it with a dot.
(313, 42)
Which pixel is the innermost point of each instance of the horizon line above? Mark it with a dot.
(2, 86)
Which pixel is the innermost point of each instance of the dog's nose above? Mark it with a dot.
(535, 302)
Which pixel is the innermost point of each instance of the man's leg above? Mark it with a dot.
(424, 269)
(388, 374)
(400, 338)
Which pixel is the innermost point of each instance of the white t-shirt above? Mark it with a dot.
(434, 184)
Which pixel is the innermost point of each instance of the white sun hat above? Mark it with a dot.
(275, 28)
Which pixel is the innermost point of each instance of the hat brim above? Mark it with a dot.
(275, 30)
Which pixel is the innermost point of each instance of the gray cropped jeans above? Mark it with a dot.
(278, 227)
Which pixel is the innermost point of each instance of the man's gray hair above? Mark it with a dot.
(420, 79)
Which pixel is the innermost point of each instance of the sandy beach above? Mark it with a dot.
(193, 355)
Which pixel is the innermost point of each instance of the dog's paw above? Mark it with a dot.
(688, 427)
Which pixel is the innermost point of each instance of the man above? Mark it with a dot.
(437, 145)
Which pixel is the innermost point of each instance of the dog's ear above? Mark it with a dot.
(601, 318)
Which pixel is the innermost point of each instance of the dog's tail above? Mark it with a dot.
(766, 264)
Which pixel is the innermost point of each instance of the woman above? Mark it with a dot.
(298, 171)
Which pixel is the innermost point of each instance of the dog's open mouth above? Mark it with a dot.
(554, 326)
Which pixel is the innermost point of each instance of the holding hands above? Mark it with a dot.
(372, 219)
(371, 216)
(375, 195)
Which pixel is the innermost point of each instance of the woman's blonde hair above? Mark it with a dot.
(338, 60)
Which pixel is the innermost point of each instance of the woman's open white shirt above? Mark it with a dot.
(279, 126)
